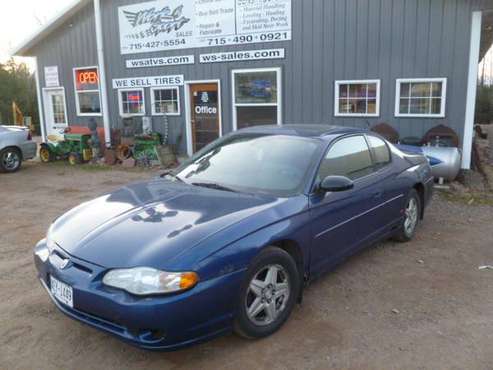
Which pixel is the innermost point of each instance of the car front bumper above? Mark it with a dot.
(158, 323)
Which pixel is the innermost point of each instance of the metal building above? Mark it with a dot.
(214, 66)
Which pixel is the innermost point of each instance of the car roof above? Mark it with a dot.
(303, 130)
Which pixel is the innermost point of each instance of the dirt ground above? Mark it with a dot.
(421, 305)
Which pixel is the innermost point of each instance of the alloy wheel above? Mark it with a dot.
(267, 295)
(11, 160)
(411, 220)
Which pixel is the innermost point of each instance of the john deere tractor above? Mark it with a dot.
(73, 147)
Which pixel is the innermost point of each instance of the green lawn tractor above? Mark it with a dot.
(73, 147)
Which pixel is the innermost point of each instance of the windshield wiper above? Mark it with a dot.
(212, 185)
(173, 175)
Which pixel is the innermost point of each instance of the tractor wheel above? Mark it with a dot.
(45, 154)
(74, 158)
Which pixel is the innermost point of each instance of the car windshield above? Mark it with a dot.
(276, 165)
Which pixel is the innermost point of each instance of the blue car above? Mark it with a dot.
(228, 241)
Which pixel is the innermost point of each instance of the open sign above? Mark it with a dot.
(87, 79)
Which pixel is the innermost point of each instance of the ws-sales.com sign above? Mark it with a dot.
(178, 24)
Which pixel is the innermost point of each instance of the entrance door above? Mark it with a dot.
(205, 113)
(55, 112)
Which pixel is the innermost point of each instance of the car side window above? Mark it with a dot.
(381, 152)
(348, 157)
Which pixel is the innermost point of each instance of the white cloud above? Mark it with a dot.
(19, 19)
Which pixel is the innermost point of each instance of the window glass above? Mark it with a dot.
(87, 93)
(165, 101)
(132, 102)
(421, 98)
(357, 98)
(58, 106)
(256, 87)
(254, 116)
(89, 102)
(268, 164)
(348, 157)
(380, 151)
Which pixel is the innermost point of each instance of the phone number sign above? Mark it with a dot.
(179, 24)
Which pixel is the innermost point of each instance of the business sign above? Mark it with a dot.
(51, 76)
(239, 56)
(160, 62)
(157, 81)
(178, 24)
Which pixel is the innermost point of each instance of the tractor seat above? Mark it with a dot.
(54, 138)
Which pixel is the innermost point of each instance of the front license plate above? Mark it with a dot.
(62, 292)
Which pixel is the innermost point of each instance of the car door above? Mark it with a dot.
(343, 221)
(390, 211)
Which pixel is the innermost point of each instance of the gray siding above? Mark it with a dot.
(332, 40)
(71, 45)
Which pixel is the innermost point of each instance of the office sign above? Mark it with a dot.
(178, 24)
(244, 55)
(160, 62)
(156, 81)
(51, 76)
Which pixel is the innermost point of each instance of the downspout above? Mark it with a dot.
(102, 73)
(40, 104)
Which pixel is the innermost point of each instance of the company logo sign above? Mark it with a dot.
(160, 21)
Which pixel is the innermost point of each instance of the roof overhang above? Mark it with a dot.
(26, 46)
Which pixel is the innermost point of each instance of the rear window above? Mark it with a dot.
(380, 151)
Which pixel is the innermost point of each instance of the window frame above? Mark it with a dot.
(234, 72)
(337, 98)
(315, 184)
(120, 102)
(153, 100)
(443, 97)
(76, 93)
(373, 155)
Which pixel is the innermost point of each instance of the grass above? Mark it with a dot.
(471, 199)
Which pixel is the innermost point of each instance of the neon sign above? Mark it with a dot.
(87, 79)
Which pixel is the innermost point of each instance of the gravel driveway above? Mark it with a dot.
(422, 305)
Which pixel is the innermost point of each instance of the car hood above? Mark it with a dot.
(150, 223)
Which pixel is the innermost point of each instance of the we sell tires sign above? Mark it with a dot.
(179, 24)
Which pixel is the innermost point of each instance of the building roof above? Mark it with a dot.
(25, 47)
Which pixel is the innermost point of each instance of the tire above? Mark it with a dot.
(412, 217)
(45, 154)
(74, 159)
(274, 306)
(10, 160)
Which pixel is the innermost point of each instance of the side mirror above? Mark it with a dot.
(336, 184)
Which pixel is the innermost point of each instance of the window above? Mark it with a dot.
(421, 97)
(165, 101)
(357, 98)
(256, 97)
(87, 96)
(348, 157)
(380, 150)
(132, 102)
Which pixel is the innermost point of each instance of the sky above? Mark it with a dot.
(19, 19)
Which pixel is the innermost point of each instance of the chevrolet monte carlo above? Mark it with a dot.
(227, 241)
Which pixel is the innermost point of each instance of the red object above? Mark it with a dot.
(29, 136)
(87, 79)
(85, 130)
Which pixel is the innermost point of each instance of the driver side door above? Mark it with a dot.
(340, 219)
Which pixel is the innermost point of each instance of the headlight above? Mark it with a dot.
(44, 249)
(147, 281)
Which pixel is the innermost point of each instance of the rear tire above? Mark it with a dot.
(268, 294)
(10, 160)
(45, 154)
(411, 219)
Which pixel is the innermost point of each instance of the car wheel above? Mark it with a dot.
(10, 160)
(412, 214)
(268, 294)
